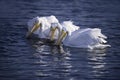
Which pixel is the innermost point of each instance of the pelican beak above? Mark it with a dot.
(52, 32)
(35, 27)
(62, 36)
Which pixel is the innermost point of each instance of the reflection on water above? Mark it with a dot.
(97, 63)
(69, 65)
(51, 63)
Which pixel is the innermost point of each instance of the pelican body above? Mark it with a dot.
(86, 38)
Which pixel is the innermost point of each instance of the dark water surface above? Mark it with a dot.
(22, 59)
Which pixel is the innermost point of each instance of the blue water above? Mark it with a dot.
(22, 59)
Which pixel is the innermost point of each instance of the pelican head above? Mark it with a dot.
(36, 24)
(54, 27)
(63, 35)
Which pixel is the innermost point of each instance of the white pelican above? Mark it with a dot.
(72, 36)
(57, 26)
(41, 26)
